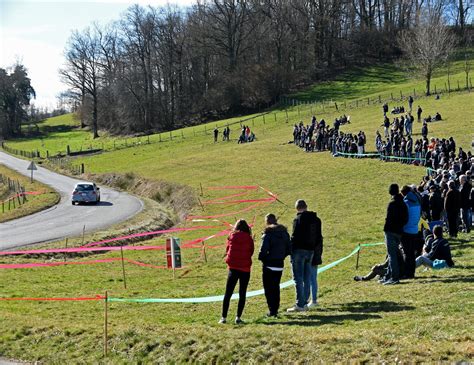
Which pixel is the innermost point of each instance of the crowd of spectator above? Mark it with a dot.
(418, 214)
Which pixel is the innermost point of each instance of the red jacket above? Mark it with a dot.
(239, 251)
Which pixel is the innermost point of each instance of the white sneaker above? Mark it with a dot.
(296, 308)
(313, 305)
(222, 320)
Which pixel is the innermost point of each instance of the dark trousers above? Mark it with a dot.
(232, 278)
(453, 223)
(409, 242)
(271, 285)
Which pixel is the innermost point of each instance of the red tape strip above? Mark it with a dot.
(246, 187)
(154, 233)
(97, 297)
(62, 263)
(241, 201)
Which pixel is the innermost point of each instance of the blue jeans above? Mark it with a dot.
(392, 240)
(423, 260)
(301, 267)
(466, 214)
(314, 284)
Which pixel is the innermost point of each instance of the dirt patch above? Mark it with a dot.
(179, 198)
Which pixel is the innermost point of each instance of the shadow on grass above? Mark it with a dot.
(321, 319)
(374, 307)
(448, 280)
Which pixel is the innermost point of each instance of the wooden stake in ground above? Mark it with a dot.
(357, 261)
(83, 234)
(106, 304)
(203, 252)
(123, 268)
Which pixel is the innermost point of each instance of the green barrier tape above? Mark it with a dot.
(372, 244)
(401, 158)
(254, 293)
(357, 154)
(380, 155)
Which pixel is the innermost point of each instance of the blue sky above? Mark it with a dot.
(35, 32)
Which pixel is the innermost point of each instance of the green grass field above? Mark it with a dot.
(34, 203)
(424, 320)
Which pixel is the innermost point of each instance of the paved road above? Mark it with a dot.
(64, 219)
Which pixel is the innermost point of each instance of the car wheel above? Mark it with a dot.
(73, 203)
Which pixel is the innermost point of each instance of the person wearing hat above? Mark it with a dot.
(276, 245)
(395, 220)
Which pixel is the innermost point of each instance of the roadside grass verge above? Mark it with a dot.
(33, 204)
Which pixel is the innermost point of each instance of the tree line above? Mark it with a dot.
(15, 95)
(157, 68)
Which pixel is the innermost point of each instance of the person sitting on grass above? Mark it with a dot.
(436, 248)
(381, 269)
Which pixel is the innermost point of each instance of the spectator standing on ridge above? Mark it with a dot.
(385, 109)
(239, 251)
(276, 245)
(418, 113)
(465, 195)
(303, 242)
(436, 203)
(424, 130)
(452, 206)
(410, 230)
(410, 103)
(216, 134)
(397, 217)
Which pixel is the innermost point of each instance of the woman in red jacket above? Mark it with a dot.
(238, 258)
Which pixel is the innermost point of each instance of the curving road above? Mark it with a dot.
(63, 220)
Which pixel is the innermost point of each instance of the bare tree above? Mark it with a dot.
(427, 46)
(82, 69)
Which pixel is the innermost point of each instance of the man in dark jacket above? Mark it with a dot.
(397, 217)
(306, 229)
(436, 203)
(276, 245)
(452, 207)
(465, 202)
(436, 248)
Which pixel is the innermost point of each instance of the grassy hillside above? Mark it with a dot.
(386, 80)
(427, 319)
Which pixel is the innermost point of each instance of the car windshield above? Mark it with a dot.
(84, 187)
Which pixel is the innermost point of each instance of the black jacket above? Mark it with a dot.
(452, 202)
(466, 195)
(275, 246)
(397, 215)
(436, 205)
(306, 232)
(438, 249)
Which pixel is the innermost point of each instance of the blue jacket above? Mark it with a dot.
(414, 213)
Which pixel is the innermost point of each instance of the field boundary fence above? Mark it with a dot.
(14, 187)
(399, 96)
(288, 109)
